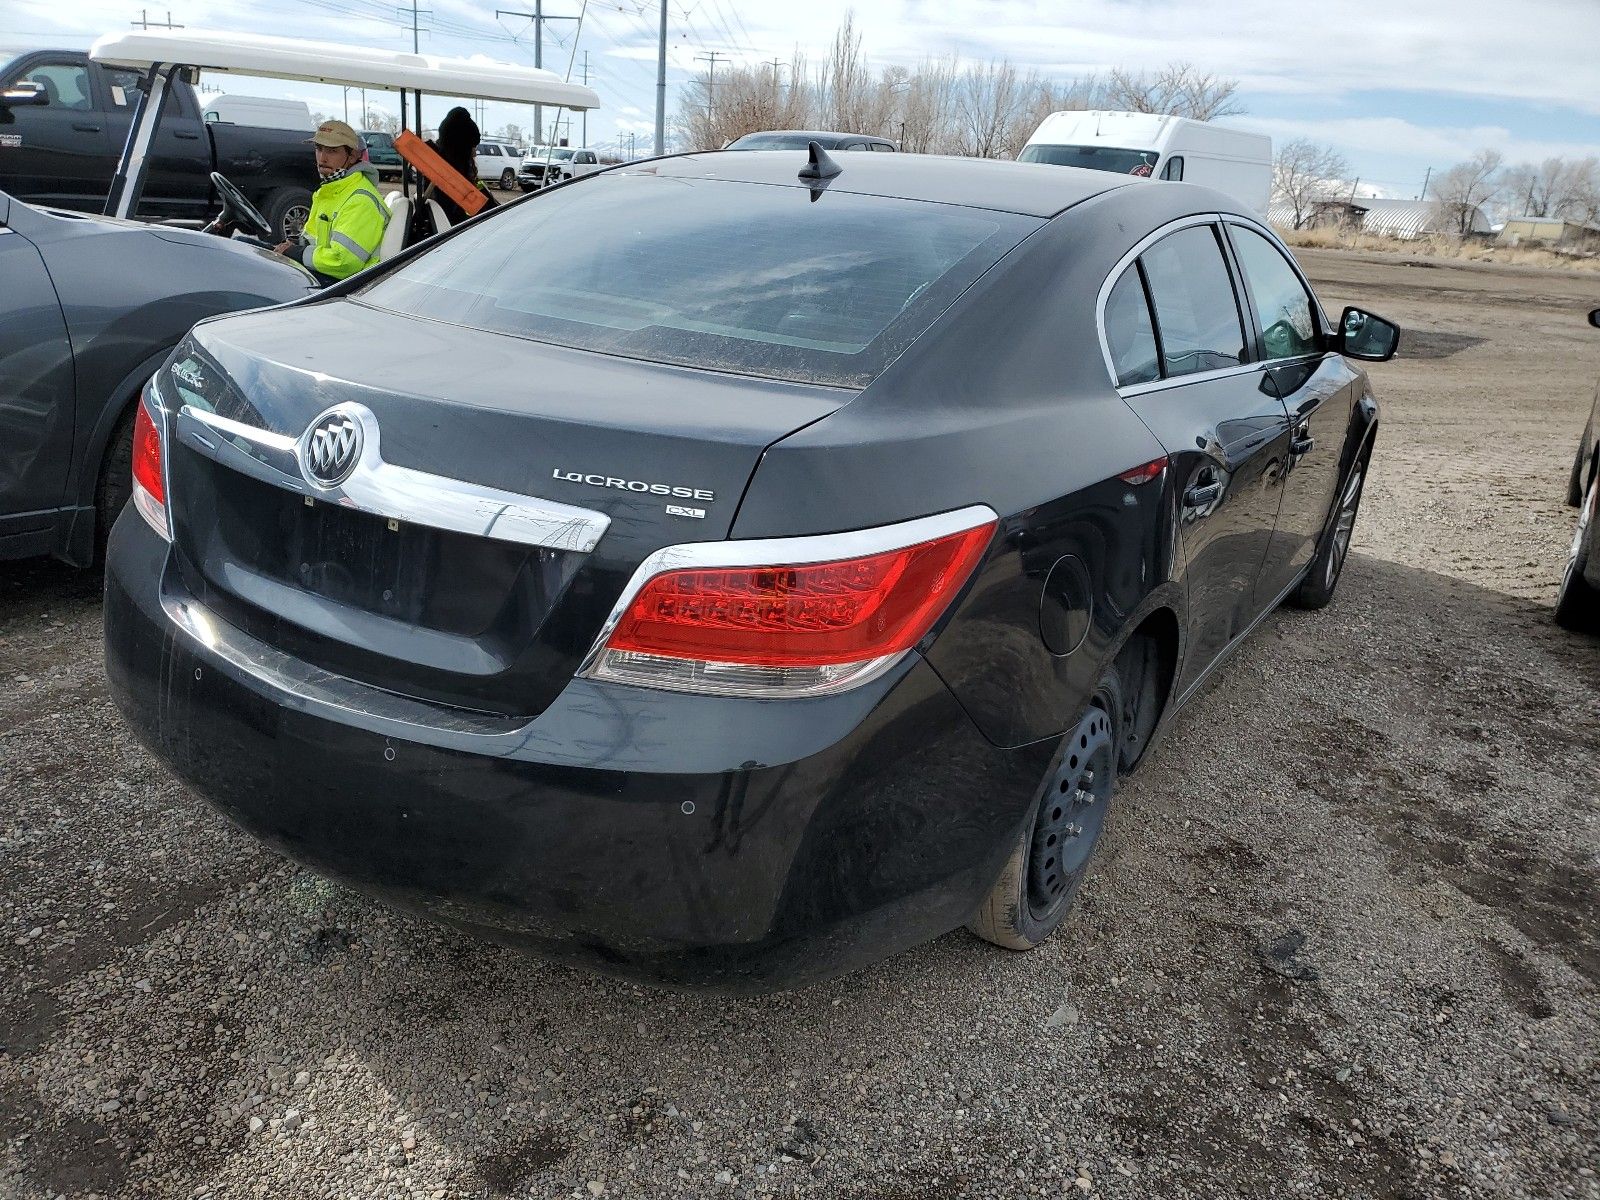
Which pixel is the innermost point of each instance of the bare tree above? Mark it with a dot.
(987, 110)
(926, 107)
(1304, 173)
(1177, 89)
(1583, 204)
(512, 134)
(1460, 192)
(942, 106)
(1553, 188)
(380, 120)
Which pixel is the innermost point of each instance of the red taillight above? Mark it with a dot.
(147, 456)
(1147, 472)
(791, 628)
(149, 483)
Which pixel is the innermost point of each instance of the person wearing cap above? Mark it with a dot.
(348, 216)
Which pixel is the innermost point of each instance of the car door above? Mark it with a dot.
(58, 152)
(177, 180)
(1176, 332)
(1318, 390)
(36, 391)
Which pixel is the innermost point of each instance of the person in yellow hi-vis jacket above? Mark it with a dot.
(348, 216)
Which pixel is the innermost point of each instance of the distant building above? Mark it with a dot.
(1550, 231)
(1402, 219)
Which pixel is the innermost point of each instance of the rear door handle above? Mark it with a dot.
(1201, 495)
(188, 137)
(1301, 444)
(85, 127)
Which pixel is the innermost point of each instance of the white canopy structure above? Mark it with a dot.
(340, 64)
(162, 52)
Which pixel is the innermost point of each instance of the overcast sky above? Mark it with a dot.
(1397, 86)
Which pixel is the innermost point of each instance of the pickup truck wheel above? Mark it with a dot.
(286, 211)
(1051, 858)
(508, 179)
(116, 482)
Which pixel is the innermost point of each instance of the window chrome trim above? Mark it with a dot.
(1278, 243)
(388, 490)
(788, 551)
(1139, 247)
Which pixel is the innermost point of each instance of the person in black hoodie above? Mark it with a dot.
(457, 144)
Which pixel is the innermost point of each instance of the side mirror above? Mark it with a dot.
(23, 93)
(1367, 336)
(1594, 317)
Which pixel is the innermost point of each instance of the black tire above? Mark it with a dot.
(1578, 602)
(1057, 842)
(508, 179)
(115, 484)
(526, 188)
(1575, 480)
(1139, 674)
(286, 210)
(1322, 580)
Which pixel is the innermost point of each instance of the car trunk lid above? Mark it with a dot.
(403, 585)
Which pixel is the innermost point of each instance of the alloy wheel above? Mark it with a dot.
(1344, 525)
(1575, 551)
(294, 220)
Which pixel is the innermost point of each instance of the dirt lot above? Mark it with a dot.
(1406, 780)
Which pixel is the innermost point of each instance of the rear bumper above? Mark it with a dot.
(693, 841)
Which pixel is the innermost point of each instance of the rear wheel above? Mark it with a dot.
(508, 179)
(115, 484)
(1050, 861)
(1323, 578)
(1578, 602)
(287, 211)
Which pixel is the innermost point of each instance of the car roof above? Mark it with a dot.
(1032, 189)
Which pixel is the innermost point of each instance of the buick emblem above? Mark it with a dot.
(331, 448)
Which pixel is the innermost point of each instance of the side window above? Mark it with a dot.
(1286, 310)
(590, 160)
(1197, 313)
(66, 85)
(1130, 334)
(1174, 168)
(123, 86)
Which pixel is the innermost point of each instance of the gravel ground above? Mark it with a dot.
(1341, 943)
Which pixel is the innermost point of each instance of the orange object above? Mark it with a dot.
(439, 173)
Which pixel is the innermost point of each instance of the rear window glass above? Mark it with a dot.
(1096, 158)
(781, 282)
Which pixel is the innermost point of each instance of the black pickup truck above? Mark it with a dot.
(63, 152)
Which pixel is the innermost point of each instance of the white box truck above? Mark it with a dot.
(1153, 146)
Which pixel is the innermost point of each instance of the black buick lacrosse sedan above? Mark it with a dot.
(842, 536)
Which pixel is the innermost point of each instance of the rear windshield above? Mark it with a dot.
(780, 141)
(1096, 158)
(776, 281)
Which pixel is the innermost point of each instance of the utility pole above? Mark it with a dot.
(661, 86)
(537, 16)
(586, 111)
(144, 21)
(416, 32)
(711, 57)
(1425, 180)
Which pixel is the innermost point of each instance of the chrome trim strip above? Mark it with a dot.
(387, 490)
(1109, 282)
(792, 551)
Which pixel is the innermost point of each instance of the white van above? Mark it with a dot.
(1158, 147)
(261, 112)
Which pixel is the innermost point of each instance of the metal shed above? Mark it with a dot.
(1409, 219)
